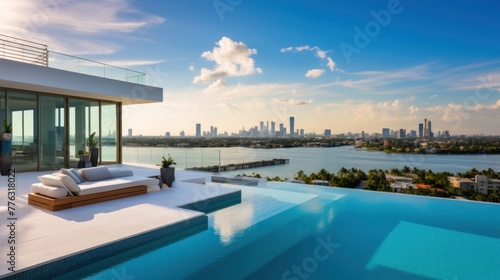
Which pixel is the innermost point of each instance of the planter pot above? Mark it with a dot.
(84, 161)
(94, 156)
(6, 136)
(167, 175)
(5, 157)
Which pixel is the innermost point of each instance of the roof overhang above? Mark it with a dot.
(29, 77)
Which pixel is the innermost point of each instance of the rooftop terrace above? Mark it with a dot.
(43, 237)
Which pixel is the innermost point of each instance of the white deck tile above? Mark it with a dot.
(43, 235)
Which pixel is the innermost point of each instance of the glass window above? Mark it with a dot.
(22, 111)
(52, 133)
(83, 119)
(109, 139)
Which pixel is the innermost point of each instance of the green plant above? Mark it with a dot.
(82, 152)
(166, 162)
(91, 143)
(7, 128)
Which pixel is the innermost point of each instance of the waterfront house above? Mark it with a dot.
(55, 101)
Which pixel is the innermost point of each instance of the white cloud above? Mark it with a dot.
(314, 73)
(191, 67)
(433, 96)
(294, 102)
(331, 64)
(218, 84)
(74, 27)
(319, 53)
(231, 59)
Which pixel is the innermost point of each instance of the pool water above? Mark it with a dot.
(290, 231)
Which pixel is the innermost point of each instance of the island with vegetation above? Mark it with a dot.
(430, 183)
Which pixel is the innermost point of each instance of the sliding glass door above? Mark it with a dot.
(83, 120)
(52, 133)
(23, 113)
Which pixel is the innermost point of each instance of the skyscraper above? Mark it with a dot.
(198, 130)
(385, 132)
(130, 132)
(426, 132)
(273, 128)
(292, 126)
(420, 130)
(328, 133)
(430, 134)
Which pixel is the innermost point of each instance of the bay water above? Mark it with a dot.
(310, 159)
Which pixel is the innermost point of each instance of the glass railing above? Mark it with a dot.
(185, 158)
(94, 68)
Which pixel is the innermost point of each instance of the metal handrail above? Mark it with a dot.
(23, 50)
(31, 52)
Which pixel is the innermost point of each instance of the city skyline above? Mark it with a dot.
(269, 130)
(339, 66)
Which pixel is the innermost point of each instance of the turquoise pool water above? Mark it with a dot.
(289, 231)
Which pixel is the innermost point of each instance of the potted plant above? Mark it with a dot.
(84, 159)
(94, 150)
(7, 131)
(6, 149)
(167, 173)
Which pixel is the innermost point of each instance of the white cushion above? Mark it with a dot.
(71, 175)
(120, 172)
(68, 182)
(77, 175)
(115, 184)
(96, 173)
(54, 192)
(51, 181)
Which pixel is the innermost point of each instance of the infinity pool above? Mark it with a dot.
(290, 231)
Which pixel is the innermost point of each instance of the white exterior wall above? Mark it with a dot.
(29, 77)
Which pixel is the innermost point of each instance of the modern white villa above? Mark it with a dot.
(55, 101)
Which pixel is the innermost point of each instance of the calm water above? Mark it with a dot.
(312, 159)
(290, 231)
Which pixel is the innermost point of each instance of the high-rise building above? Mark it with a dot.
(130, 132)
(328, 133)
(292, 126)
(261, 128)
(385, 132)
(301, 132)
(362, 135)
(198, 130)
(426, 132)
(430, 134)
(420, 130)
(402, 133)
(273, 128)
(282, 130)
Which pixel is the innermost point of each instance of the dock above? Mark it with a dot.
(244, 165)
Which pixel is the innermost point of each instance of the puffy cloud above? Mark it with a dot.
(231, 59)
(294, 102)
(219, 84)
(191, 67)
(314, 73)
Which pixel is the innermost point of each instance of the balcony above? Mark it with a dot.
(34, 53)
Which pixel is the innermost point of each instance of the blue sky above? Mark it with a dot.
(339, 65)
